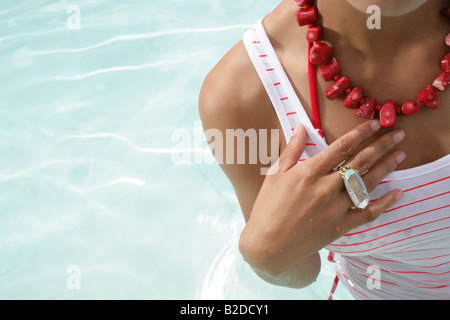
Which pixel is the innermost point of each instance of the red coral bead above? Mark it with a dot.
(445, 63)
(442, 81)
(338, 88)
(320, 52)
(314, 34)
(330, 70)
(305, 17)
(367, 109)
(353, 98)
(428, 97)
(411, 107)
(388, 114)
(303, 3)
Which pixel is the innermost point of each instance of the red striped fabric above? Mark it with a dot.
(409, 243)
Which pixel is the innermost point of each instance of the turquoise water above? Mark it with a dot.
(99, 198)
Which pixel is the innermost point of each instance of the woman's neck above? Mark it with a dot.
(347, 26)
(405, 52)
(393, 62)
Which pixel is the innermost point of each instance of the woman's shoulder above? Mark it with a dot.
(233, 96)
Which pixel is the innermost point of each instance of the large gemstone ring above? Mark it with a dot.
(355, 187)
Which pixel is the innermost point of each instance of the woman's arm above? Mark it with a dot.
(302, 207)
(233, 98)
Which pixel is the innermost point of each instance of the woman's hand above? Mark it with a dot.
(303, 207)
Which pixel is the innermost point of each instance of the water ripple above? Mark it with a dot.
(29, 170)
(76, 189)
(83, 76)
(134, 146)
(124, 180)
(216, 279)
(142, 36)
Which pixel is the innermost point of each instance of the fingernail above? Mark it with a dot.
(375, 125)
(297, 127)
(398, 195)
(399, 136)
(400, 157)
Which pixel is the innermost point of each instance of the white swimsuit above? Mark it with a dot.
(404, 254)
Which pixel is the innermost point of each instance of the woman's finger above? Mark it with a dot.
(293, 150)
(371, 178)
(344, 147)
(378, 172)
(364, 159)
(356, 218)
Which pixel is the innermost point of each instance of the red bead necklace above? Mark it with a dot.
(366, 107)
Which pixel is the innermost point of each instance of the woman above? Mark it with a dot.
(268, 80)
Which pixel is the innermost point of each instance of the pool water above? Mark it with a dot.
(100, 198)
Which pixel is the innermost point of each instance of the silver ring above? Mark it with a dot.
(355, 186)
